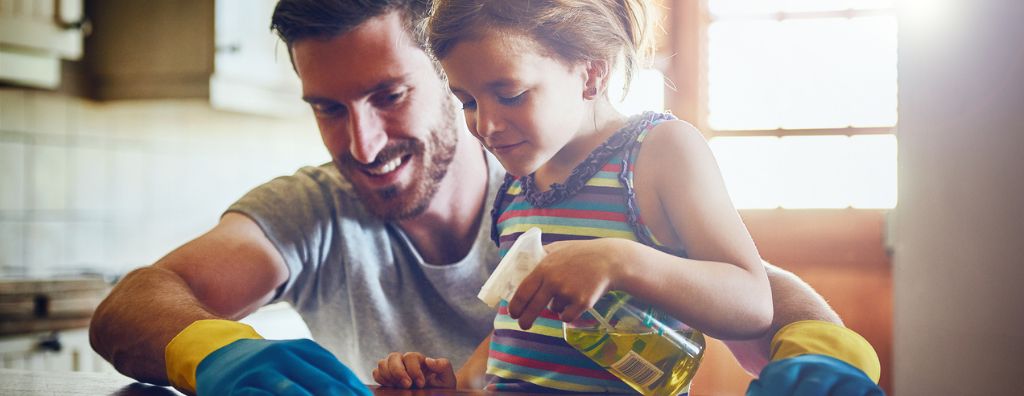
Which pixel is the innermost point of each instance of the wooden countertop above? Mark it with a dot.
(21, 382)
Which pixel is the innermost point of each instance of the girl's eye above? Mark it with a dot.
(512, 101)
(469, 105)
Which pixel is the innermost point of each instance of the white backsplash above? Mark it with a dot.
(110, 186)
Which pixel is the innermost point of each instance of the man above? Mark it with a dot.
(382, 250)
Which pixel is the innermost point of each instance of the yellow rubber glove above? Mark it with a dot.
(195, 342)
(829, 339)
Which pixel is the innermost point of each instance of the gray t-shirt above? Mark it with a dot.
(359, 283)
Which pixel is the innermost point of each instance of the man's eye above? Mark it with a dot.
(512, 100)
(327, 109)
(390, 99)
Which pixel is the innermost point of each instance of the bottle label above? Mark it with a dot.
(638, 369)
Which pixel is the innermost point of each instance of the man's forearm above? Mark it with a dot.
(147, 308)
(794, 300)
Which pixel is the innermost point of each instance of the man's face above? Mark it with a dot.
(383, 114)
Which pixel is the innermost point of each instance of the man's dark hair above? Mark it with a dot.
(296, 20)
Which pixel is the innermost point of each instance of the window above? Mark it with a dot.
(646, 92)
(797, 97)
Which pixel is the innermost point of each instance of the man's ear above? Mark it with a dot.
(598, 73)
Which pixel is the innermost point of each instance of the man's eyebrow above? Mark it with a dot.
(380, 86)
(315, 100)
(387, 83)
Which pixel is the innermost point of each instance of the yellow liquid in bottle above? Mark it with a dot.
(650, 363)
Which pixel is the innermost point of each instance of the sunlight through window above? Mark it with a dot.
(801, 101)
(646, 92)
(766, 172)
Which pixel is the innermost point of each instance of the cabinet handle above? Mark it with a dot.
(50, 343)
(84, 24)
(232, 48)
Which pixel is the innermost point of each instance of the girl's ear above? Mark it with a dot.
(598, 72)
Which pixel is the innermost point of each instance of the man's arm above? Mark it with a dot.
(794, 301)
(226, 273)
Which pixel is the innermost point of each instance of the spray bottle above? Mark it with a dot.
(652, 352)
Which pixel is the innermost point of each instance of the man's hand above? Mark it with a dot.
(223, 357)
(812, 357)
(813, 375)
(288, 367)
(412, 369)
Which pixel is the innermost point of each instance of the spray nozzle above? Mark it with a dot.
(526, 252)
(518, 262)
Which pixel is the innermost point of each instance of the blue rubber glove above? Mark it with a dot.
(279, 367)
(812, 375)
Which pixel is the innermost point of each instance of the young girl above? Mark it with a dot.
(635, 204)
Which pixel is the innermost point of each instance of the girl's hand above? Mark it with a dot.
(570, 279)
(413, 370)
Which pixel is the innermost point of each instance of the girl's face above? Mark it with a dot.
(523, 105)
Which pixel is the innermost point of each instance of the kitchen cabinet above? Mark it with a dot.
(253, 71)
(34, 36)
(43, 323)
(66, 350)
(222, 50)
(149, 49)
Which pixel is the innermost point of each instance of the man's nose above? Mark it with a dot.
(367, 135)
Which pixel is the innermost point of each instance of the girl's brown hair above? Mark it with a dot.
(574, 30)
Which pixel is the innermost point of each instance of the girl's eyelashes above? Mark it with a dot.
(513, 100)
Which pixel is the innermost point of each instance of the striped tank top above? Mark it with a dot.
(597, 201)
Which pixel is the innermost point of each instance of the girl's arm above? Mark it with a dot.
(722, 287)
(472, 374)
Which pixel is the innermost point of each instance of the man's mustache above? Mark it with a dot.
(388, 153)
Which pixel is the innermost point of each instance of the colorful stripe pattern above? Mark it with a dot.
(599, 204)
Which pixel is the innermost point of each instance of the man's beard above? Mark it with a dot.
(429, 164)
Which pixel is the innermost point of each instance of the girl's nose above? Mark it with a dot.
(486, 122)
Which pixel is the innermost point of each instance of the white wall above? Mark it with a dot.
(110, 186)
(959, 254)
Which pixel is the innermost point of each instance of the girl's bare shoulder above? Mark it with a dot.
(675, 140)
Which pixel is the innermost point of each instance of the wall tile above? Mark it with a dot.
(166, 184)
(48, 113)
(45, 247)
(145, 120)
(88, 172)
(120, 184)
(48, 167)
(12, 176)
(87, 245)
(13, 110)
(127, 183)
(12, 248)
(89, 119)
(127, 246)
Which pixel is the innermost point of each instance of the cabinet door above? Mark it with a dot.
(252, 70)
(34, 36)
(66, 350)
